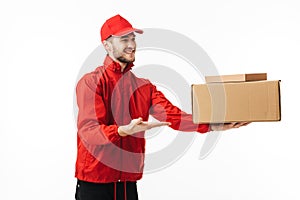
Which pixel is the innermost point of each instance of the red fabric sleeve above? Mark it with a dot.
(163, 110)
(91, 125)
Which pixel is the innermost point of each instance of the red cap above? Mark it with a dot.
(117, 26)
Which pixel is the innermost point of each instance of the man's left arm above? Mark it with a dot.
(163, 110)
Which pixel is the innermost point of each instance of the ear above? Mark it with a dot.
(107, 45)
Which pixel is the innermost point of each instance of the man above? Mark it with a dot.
(114, 106)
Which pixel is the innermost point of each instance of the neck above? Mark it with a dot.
(123, 65)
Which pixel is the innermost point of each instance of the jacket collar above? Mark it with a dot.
(114, 66)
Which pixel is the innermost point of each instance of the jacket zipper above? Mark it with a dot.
(121, 141)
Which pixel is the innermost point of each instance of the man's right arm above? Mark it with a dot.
(91, 122)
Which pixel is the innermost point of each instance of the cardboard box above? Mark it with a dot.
(233, 102)
(236, 78)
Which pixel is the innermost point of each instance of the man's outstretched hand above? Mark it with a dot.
(138, 125)
(227, 126)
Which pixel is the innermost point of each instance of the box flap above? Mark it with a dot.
(236, 78)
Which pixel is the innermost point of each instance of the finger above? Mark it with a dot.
(230, 125)
(138, 121)
(246, 123)
(237, 125)
(157, 124)
(243, 124)
(166, 123)
(161, 123)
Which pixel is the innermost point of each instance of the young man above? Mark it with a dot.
(114, 106)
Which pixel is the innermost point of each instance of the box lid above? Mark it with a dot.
(236, 78)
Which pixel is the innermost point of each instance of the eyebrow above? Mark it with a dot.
(126, 36)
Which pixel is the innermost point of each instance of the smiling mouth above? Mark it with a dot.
(129, 51)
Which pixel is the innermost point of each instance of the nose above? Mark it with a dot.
(131, 44)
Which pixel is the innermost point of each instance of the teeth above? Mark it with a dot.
(129, 50)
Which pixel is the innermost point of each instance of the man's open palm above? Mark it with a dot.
(138, 125)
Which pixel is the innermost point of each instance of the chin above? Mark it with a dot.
(129, 58)
(125, 59)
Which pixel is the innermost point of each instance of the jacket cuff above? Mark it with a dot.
(204, 128)
(114, 135)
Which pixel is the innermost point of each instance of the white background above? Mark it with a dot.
(42, 48)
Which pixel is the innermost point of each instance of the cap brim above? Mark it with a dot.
(127, 31)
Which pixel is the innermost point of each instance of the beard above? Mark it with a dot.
(125, 60)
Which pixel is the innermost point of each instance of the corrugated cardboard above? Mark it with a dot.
(236, 78)
(234, 102)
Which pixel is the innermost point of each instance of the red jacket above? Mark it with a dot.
(108, 98)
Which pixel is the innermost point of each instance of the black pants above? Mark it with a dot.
(106, 191)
